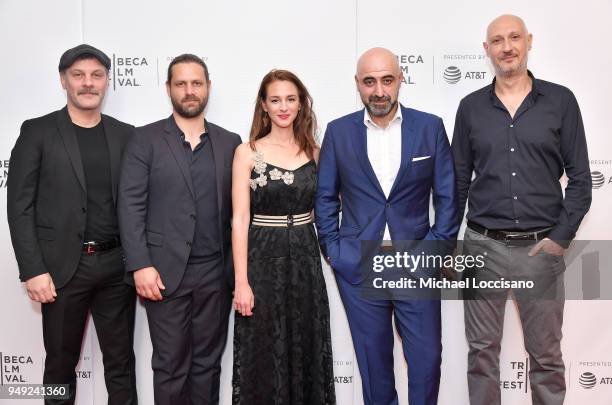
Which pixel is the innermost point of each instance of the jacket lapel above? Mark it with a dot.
(216, 141)
(174, 143)
(360, 145)
(111, 132)
(68, 135)
(408, 139)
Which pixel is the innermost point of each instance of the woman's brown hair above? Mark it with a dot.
(305, 124)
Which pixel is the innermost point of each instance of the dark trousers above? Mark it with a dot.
(188, 331)
(419, 324)
(97, 286)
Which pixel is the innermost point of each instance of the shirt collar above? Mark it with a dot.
(367, 120)
(175, 128)
(535, 88)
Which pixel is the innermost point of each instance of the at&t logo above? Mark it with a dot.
(598, 179)
(453, 74)
(587, 380)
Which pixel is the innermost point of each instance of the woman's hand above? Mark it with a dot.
(244, 300)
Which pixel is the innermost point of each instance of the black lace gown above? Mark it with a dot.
(283, 353)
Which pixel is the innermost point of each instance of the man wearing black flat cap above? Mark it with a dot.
(62, 192)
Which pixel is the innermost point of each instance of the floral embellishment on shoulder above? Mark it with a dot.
(275, 174)
(288, 178)
(260, 181)
(260, 168)
(260, 165)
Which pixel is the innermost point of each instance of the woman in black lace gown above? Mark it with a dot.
(282, 344)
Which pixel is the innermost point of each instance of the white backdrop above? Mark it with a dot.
(320, 41)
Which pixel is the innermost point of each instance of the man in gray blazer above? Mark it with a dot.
(174, 212)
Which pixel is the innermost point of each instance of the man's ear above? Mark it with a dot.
(62, 76)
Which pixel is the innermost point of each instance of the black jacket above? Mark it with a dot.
(47, 194)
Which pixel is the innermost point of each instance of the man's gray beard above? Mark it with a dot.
(378, 112)
(511, 72)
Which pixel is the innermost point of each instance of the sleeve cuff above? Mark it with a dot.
(562, 235)
(137, 264)
(25, 277)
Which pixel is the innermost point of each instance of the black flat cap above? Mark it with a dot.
(71, 55)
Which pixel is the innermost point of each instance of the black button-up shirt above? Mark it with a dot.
(517, 162)
(201, 162)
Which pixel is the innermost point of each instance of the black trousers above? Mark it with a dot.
(97, 286)
(188, 331)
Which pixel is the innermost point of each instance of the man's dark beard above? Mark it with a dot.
(178, 107)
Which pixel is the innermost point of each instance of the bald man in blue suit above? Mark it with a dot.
(379, 166)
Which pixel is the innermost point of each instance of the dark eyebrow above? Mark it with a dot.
(388, 77)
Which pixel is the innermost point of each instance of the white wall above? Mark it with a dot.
(320, 41)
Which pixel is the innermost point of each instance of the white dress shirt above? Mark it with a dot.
(385, 152)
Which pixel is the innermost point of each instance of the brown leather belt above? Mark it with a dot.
(509, 235)
(91, 246)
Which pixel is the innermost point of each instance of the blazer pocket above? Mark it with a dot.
(45, 233)
(421, 167)
(349, 230)
(154, 238)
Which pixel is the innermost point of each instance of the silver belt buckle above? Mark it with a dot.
(90, 247)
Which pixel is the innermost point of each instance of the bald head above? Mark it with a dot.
(507, 45)
(378, 81)
(504, 22)
(377, 60)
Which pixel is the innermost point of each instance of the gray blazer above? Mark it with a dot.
(156, 204)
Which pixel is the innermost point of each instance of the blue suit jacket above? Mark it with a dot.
(347, 182)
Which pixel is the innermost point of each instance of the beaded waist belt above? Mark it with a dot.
(285, 221)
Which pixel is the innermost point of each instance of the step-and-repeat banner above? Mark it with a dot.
(439, 46)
